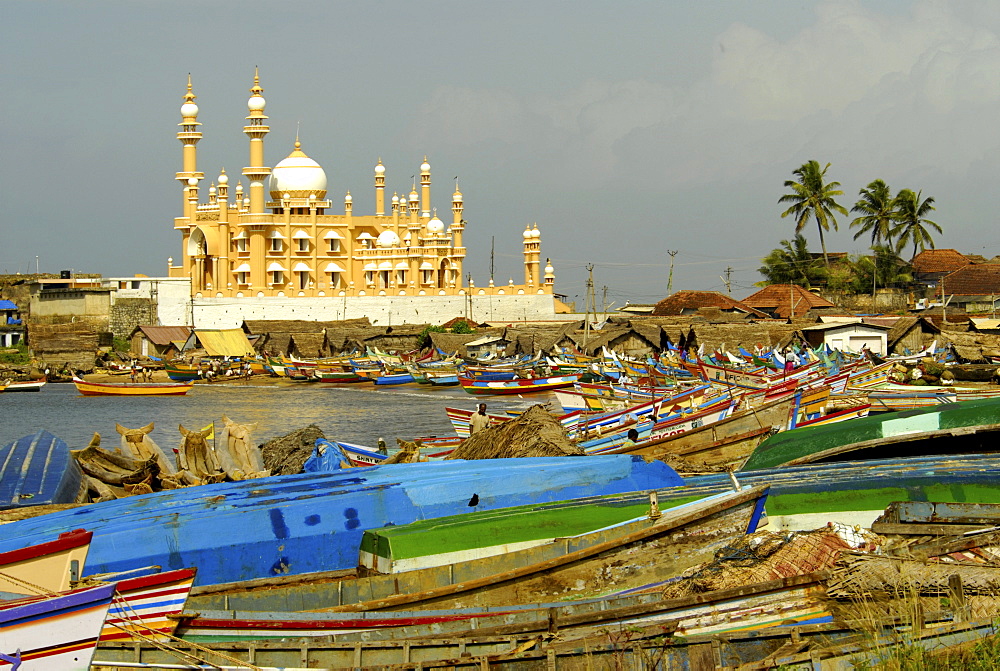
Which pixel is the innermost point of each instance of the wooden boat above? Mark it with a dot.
(55, 632)
(516, 386)
(338, 377)
(48, 567)
(294, 524)
(147, 607)
(132, 388)
(393, 378)
(646, 549)
(727, 442)
(968, 426)
(30, 385)
(38, 470)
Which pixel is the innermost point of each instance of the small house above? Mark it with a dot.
(158, 341)
(490, 346)
(849, 337)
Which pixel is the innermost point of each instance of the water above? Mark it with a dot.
(353, 413)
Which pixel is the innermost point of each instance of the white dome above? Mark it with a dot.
(387, 239)
(536, 233)
(256, 103)
(425, 167)
(223, 178)
(348, 198)
(192, 181)
(379, 169)
(298, 176)
(549, 270)
(435, 225)
(189, 110)
(527, 234)
(211, 190)
(395, 198)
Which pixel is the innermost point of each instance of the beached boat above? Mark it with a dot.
(294, 524)
(38, 470)
(516, 386)
(30, 385)
(49, 567)
(967, 426)
(147, 607)
(649, 548)
(132, 388)
(54, 632)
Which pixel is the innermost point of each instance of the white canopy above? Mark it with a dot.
(276, 235)
(301, 235)
(402, 265)
(371, 266)
(243, 268)
(426, 266)
(385, 265)
(333, 267)
(301, 268)
(242, 235)
(333, 235)
(366, 236)
(275, 267)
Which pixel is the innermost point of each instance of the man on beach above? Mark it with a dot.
(479, 420)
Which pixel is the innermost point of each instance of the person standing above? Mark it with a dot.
(479, 420)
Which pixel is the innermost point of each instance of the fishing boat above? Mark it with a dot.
(516, 386)
(49, 566)
(54, 632)
(966, 427)
(294, 524)
(147, 607)
(132, 388)
(338, 376)
(38, 470)
(30, 385)
(654, 545)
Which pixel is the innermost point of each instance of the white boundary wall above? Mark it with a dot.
(215, 312)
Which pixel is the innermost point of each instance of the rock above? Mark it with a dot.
(285, 455)
(536, 433)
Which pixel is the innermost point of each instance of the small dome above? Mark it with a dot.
(425, 166)
(527, 234)
(457, 196)
(223, 178)
(535, 233)
(414, 197)
(379, 169)
(286, 195)
(192, 181)
(435, 225)
(189, 110)
(387, 239)
(395, 198)
(549, 270)
(211, 190)
(256, 103)
(297, 176)
(348, 198)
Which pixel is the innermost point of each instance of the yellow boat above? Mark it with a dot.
(132, 388)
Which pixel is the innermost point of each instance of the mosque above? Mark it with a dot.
(285, 253)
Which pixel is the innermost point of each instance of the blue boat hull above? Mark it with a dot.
(314, 522)
(38, 470)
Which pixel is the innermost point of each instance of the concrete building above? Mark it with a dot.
(282, 252)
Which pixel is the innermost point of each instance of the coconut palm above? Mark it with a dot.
(912, 223)
(878, 211)
(812, 197)
(791, 263)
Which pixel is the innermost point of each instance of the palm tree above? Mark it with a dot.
(878, 211)
(912, 213)
(792, 264)
(810, 196)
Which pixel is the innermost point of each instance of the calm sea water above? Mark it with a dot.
(352, 413)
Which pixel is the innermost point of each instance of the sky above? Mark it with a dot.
(626, 130)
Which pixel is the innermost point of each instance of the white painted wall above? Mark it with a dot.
(214, 312)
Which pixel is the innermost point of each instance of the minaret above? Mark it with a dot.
(550, 274)
(379, 189)
(221, 272)
(527, 235)
(255, 219)
(532, 251)
(189, 137)
(425, 189)
(256, 129)
(457, 223)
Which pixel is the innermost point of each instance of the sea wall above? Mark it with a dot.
(216, 312)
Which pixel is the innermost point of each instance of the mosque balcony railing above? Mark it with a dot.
(256, 219)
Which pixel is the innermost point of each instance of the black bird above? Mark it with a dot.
(474, 501)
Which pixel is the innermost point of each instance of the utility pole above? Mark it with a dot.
(670, 277)
(727, 280)
(604, 301)
(590, 301)
(493, 240)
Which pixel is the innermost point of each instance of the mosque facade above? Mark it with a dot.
(280, 249)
